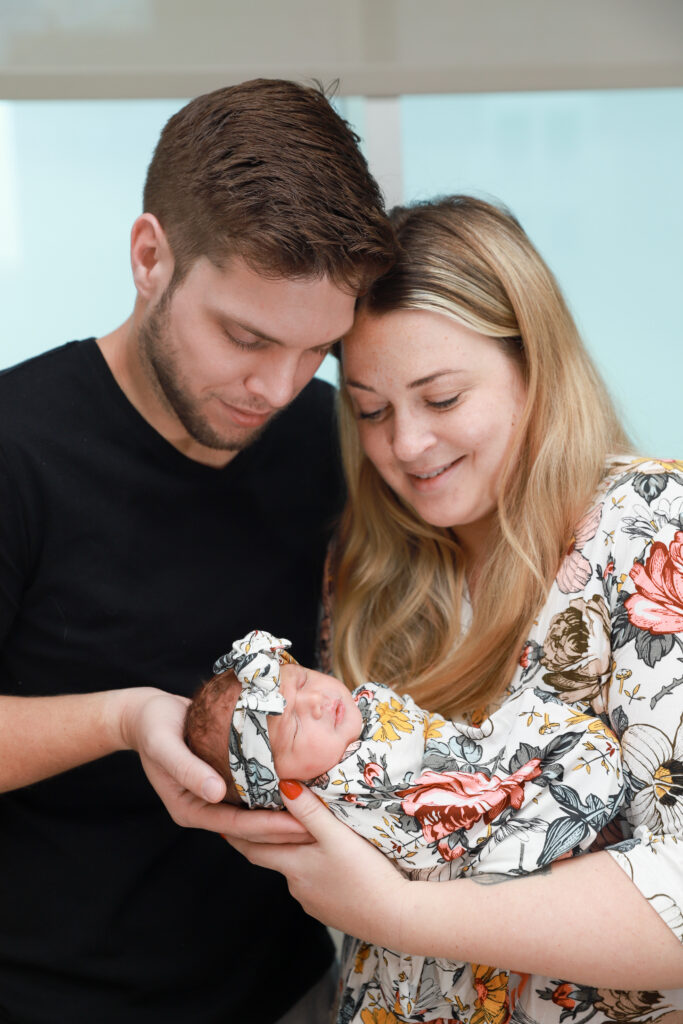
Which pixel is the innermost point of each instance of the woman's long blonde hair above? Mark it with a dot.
(398, 580)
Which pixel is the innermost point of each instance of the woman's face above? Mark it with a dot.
(437, 405)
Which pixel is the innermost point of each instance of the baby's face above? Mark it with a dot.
(320, 721)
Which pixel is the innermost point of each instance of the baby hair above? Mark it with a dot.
(207, 726)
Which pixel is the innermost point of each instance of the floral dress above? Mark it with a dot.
(535, 781)
(610, 633)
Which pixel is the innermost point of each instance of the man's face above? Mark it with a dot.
(229, 348)
(320, 721)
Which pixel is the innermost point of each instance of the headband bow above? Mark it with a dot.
(255, 660)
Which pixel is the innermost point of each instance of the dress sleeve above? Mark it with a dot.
(643, 581)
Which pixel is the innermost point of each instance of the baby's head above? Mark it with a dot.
(263, 717)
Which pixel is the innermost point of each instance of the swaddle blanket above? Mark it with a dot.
(534, 782)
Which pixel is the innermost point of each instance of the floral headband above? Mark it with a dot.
(255, 660)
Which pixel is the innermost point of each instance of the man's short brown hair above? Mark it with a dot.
(267, 170)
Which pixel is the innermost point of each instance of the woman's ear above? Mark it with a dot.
(151, 258)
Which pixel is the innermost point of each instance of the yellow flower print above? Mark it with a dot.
(392, 721)
(361, 956)
(433, 727)
(492, 1004)
(379, 1016)
(595, 725)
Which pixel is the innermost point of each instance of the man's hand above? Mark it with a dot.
(152, 724)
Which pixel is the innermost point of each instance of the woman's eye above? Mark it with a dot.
(374, 415)
(444, 403)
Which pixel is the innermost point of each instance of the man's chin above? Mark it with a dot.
(234, 441)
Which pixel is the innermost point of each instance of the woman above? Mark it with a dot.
(498, 529)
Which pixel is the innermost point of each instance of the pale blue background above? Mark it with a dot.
(595, 178)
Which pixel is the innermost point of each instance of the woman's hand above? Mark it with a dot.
(152, 724)
(340, 879)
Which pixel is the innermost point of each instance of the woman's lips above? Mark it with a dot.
(431, 479)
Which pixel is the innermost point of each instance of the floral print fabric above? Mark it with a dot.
(255, 659)
(536, 781)
(611, 634)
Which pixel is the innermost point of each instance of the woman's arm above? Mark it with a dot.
(43, 736)
(581, 919)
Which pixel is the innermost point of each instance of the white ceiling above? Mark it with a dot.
(147, 48)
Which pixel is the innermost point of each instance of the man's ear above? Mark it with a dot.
(150, 257)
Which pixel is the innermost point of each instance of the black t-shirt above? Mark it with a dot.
(123, 563)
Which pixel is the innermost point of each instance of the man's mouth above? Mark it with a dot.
(247, 417)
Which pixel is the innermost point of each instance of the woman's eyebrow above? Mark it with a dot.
(432, 377)
(420, 382)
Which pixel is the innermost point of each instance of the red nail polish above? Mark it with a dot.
(290, 788)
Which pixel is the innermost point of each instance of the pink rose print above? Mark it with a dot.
(575, 570)
(448, 852)
(445, 801)
(362, 693)
(657, 604)
(372, 772)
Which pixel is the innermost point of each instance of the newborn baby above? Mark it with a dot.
(534, 782)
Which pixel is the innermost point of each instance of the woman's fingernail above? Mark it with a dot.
(212, 790)
(290, 788)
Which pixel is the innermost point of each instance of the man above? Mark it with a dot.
(156, 489)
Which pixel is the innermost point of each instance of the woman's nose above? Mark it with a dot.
(411, 437)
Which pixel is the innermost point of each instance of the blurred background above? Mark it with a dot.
(569, 113)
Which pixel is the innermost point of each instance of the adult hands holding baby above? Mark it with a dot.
(339, 878)
(152, 724)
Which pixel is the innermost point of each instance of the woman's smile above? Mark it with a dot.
(437, 406)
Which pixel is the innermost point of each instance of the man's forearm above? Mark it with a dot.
(43, 736)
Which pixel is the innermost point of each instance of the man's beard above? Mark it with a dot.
(160, 365)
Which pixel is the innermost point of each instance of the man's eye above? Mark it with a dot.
(238, 343)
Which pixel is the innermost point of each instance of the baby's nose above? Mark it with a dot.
(315, 703)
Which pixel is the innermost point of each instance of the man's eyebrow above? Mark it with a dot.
(227, 321)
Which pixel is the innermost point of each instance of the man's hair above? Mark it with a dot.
(268, 171)
(207, 726)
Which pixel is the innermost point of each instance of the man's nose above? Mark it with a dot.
(274, 380)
